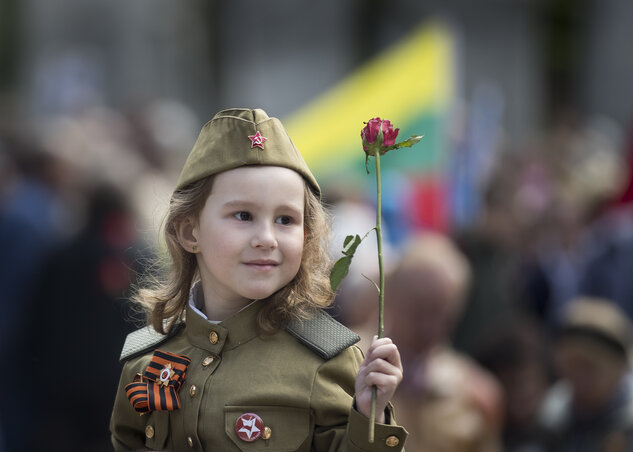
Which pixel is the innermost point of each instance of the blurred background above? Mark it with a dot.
(523, 176)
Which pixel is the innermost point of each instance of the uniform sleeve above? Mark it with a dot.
(338, 426)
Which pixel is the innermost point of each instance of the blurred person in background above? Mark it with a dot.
(80, 290)
(540, 238)
(77, 320)
(591, 407)
(446, 401)
(609, 266)
(70, 238)
(581, 170)
(517, 358)
(492, 246)
(32, 224)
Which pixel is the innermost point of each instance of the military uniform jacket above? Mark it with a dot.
(302, 393)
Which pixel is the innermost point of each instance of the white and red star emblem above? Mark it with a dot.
(257, 140)
(249, 427)
(165, 375)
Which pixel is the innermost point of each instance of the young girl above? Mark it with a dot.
(240, 355)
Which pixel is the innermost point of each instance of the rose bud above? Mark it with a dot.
(371, 136)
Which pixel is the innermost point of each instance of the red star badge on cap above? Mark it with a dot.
(257, 140)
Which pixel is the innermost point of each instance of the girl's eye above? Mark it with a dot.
(243, 216)
(284, 219)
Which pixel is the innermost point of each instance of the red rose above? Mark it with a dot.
(389, 134)
(370, 133)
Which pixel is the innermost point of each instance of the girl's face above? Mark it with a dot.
(250, 234)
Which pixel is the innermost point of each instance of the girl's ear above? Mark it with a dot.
(186, 232)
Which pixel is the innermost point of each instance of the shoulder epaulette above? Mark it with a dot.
(145, 339)
(322, 334)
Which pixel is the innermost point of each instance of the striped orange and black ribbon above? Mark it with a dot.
(137, 394)
(149, 393)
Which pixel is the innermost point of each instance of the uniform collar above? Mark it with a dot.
(230, 333)
(196, 301)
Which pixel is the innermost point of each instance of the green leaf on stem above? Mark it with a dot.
(413, 139)
(350, 244)
(339, 271)
(341, 267)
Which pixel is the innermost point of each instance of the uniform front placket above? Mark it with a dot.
(209, 339)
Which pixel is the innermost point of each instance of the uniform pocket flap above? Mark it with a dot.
(281, 428)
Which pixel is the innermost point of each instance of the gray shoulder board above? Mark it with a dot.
(143, 340)
(322, 334)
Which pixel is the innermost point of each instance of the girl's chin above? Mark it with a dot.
(258, 294)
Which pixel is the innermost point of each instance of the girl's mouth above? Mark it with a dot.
(262, 264)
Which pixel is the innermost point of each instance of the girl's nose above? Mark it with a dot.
(264, 237)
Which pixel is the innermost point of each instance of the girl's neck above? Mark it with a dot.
(217, 308)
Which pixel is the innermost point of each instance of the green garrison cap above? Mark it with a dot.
(239, 137)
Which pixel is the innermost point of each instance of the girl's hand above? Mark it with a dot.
(381, 368)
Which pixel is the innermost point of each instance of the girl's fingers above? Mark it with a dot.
(386, 383)
(384, 349)
(378, 342)
(386, 379)
(383, 366)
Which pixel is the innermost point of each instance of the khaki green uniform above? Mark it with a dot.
(303, 392)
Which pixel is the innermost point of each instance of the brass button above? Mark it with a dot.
(192, 390)
(267, 432)
(206, 361)
(190, 441)
(213, 337)
(392, 441)
(149, 431)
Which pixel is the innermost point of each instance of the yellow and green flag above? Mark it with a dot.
(412, 84)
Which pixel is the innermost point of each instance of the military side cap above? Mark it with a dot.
(240, 137)
(599, 319)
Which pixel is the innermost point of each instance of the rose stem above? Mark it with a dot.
(381, 293)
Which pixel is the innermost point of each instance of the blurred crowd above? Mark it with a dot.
(80, 195)
(513, 325)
